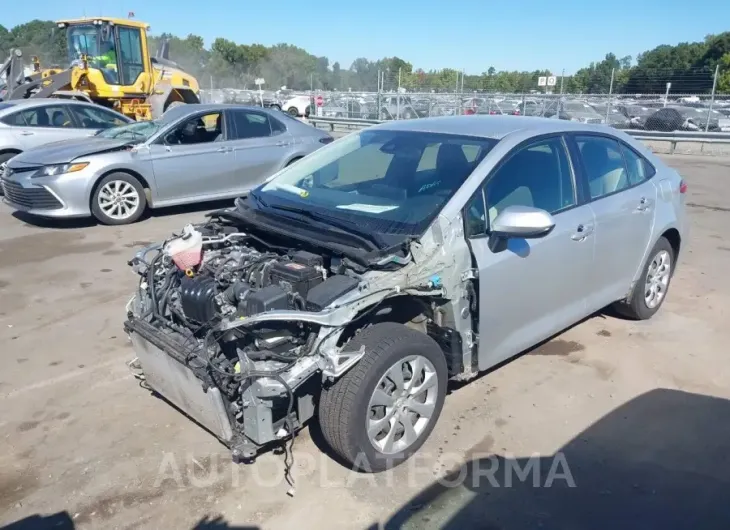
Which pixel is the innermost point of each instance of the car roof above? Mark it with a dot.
(183, 110)
(17, 104)
(496, 127)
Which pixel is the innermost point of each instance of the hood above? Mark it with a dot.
(67, 150)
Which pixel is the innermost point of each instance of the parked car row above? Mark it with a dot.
(72, 159)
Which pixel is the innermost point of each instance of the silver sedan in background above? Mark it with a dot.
(29, 123)
(193, 153)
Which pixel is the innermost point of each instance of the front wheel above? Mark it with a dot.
(119, 199)
(293, 111)
(380, 412)
(651, 289)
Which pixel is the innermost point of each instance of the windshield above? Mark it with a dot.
(384, 181)
(82, 40)
(141, 130)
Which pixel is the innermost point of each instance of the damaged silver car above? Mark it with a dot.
(353, 285)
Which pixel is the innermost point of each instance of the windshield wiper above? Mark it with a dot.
(371, 239)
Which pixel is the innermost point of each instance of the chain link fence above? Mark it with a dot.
(667, 100)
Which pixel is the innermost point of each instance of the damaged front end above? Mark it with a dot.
(240, 334)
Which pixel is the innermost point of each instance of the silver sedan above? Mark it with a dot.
(29, 123)
(193, 153)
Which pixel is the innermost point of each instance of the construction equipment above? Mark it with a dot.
(109, 64)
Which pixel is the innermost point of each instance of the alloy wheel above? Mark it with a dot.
(119, 199)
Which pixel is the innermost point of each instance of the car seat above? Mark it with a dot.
(42, 118)
(59, 120)
(604, 175)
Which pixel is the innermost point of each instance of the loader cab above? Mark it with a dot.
(117, 48)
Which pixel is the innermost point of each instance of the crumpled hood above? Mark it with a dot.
(66, 151)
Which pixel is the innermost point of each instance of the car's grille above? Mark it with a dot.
(31, 198)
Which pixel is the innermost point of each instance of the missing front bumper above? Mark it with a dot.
(168, 376)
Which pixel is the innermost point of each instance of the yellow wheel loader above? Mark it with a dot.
(108, 63)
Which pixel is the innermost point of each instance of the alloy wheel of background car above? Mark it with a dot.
(402, 404)
(119, 199)
(293, 111)
(657, 279)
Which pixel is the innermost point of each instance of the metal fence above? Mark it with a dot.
(406, 96)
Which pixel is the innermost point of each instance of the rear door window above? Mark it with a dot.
(250, 124)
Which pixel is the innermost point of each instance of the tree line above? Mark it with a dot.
(688, 66)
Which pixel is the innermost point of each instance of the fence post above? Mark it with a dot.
(610, 91)
(562, 77)
(397, 99)
(378, 97)
(712, 97)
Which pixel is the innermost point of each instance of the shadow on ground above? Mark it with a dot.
(86, 222)
(661, 460)
(63, 521)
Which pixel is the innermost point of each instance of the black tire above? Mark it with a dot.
(99, 213)
(343, 407)
(384, 114)
(293, 111)
(4, 157)
(275, 107)
(636, 307)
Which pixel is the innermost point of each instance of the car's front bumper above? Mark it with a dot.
(58, 196)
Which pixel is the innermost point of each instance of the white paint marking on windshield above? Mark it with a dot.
(367, 208)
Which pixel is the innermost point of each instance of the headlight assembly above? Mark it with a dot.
(60, 169)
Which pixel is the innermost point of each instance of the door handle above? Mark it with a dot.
(224, 149)
(27, 133)
(582, 232)
(282, 144)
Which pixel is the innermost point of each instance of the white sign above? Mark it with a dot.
(552, 80)
(541, 81)
(259, 81)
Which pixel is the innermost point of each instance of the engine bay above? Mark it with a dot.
(196, 289)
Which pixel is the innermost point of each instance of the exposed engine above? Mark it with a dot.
(194, 290)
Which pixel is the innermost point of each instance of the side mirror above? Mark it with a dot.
(522, 222)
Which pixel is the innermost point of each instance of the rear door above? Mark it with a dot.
(261, 145)
(623, 200)
(535, 287)
(45, 124)
(194, 160)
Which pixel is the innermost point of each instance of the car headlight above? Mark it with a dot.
(60, 169)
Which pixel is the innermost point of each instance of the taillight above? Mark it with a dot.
(682, 186)
(492, 112)
(326, 140)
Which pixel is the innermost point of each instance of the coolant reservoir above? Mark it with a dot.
(186, 250)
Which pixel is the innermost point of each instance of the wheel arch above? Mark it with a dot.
(10, 150)
(131, 173)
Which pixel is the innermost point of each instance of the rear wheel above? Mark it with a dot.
(652, 287)
(380, 412)
(119, 199)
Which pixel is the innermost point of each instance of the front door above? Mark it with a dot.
(623, 201)
(261, 145)
(534, 288)
(194, 161)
